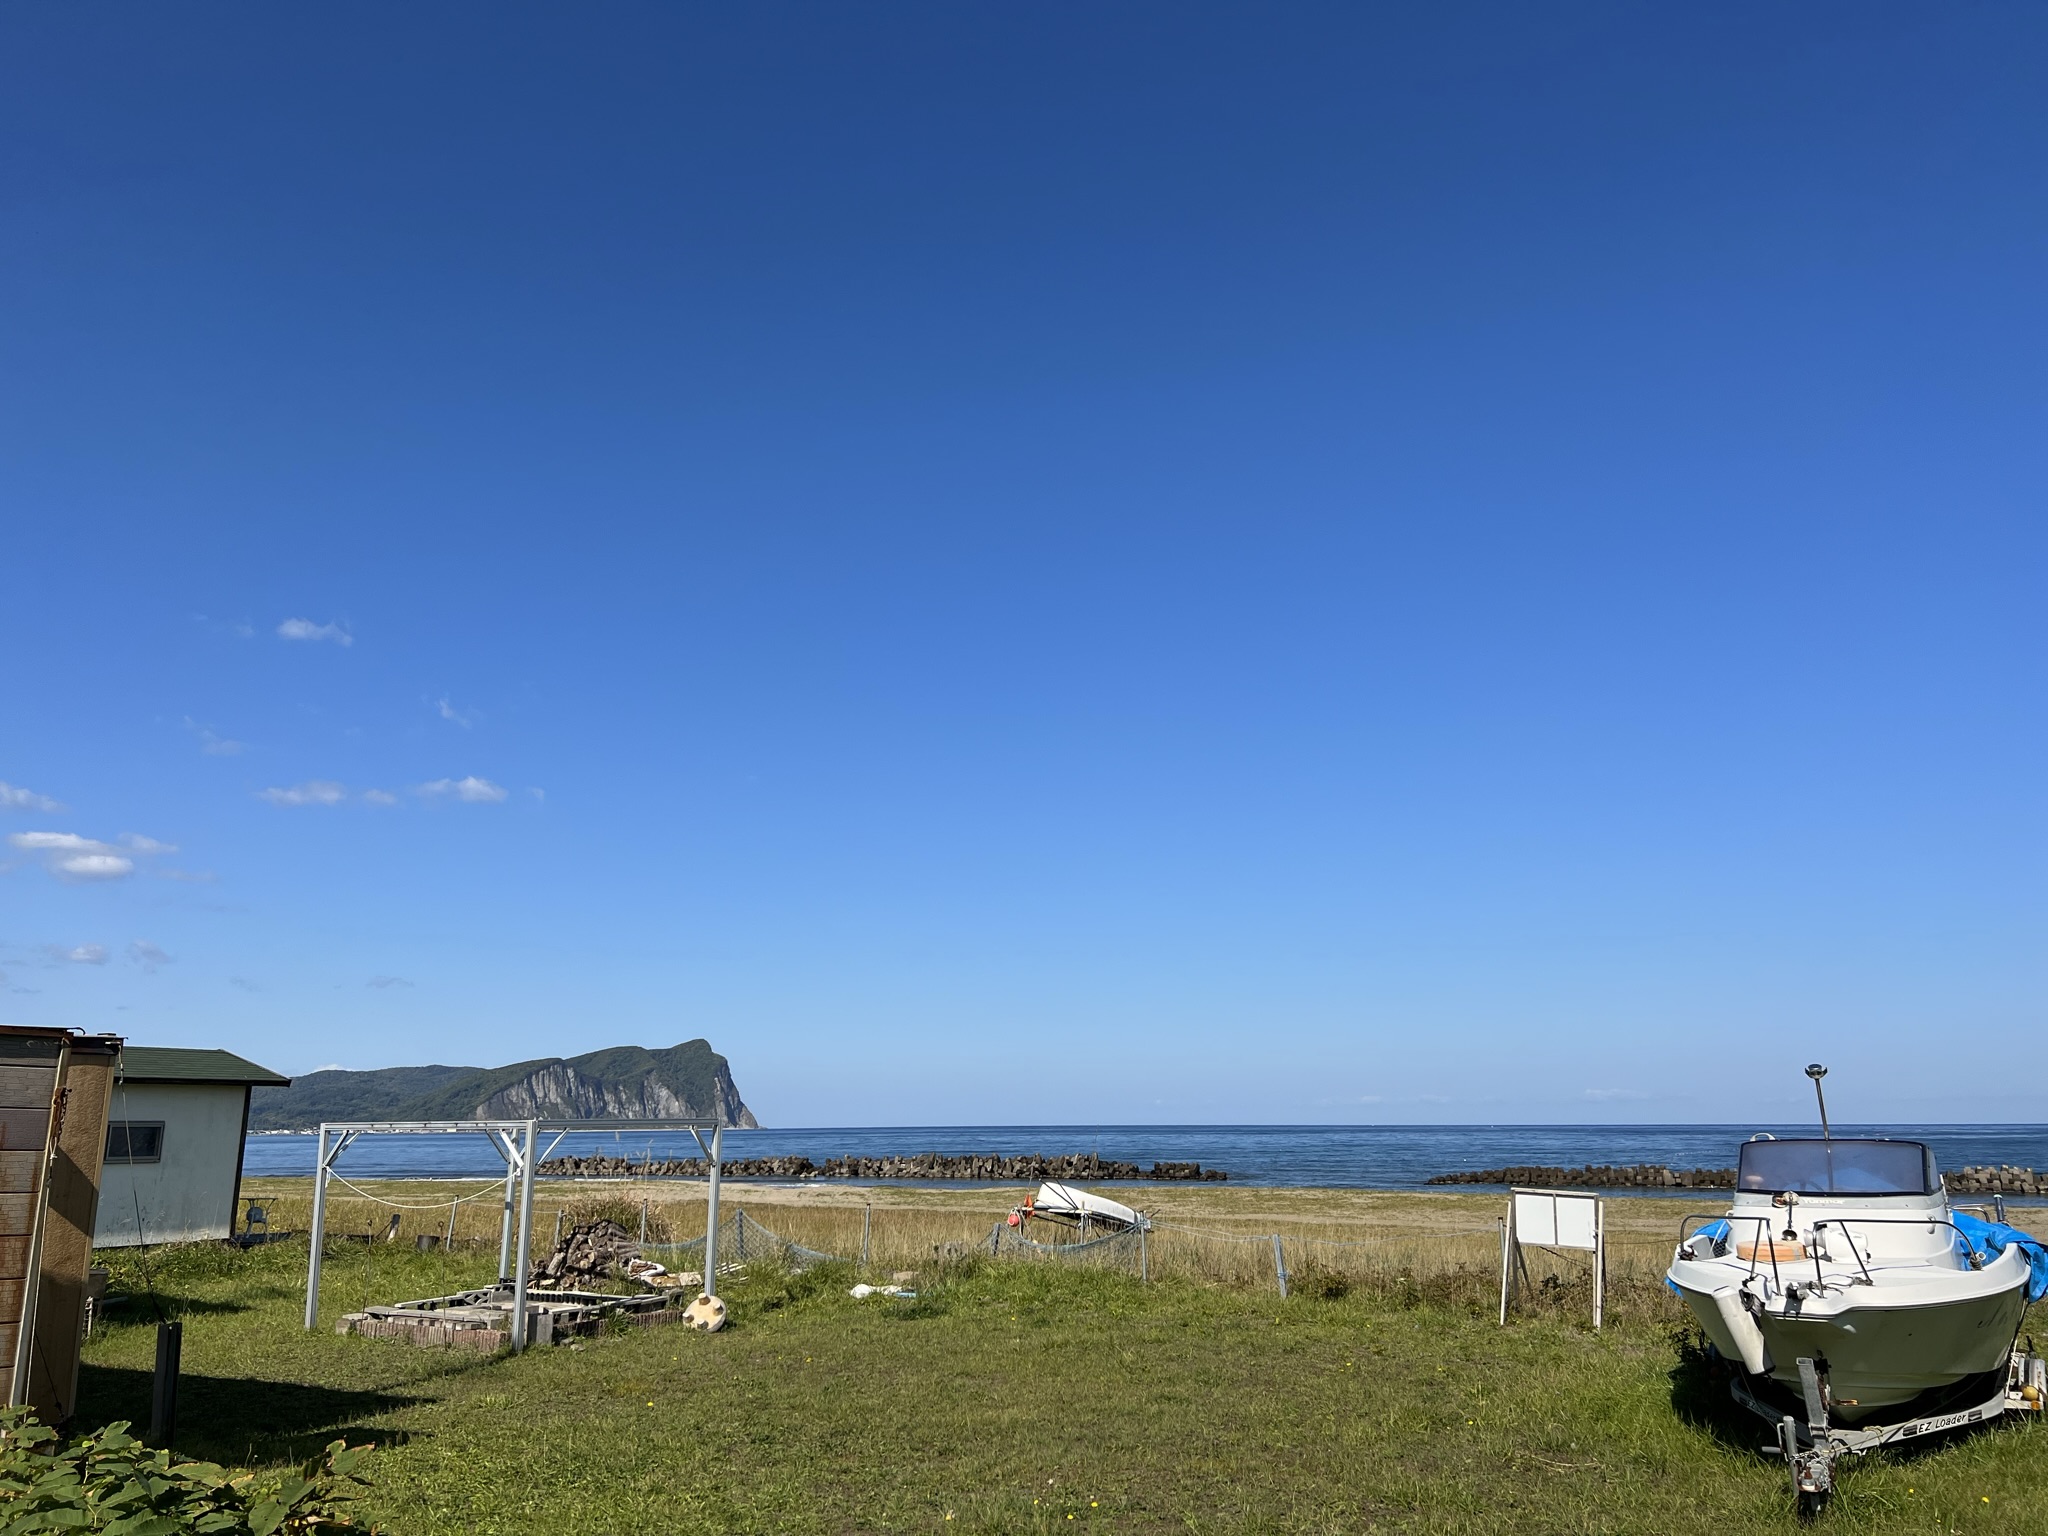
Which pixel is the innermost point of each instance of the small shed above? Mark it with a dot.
(54, 1088)
(175, 1131)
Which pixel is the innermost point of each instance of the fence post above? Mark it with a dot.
(643, 1223)
(1144, 1260)
(739, 1227)
(558, 1226)
(449, 1240)
(867, 1218)
(163, 1396)
(1506, 1273)
(1279, 1266)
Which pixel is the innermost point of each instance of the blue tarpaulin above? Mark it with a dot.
(1988, 1239)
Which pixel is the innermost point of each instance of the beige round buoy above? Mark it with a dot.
(706, 1313)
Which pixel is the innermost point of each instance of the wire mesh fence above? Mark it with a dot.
(1456, 1264)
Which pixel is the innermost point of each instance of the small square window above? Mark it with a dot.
(135, 1141)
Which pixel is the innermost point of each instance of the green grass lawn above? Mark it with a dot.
(1008, 1398)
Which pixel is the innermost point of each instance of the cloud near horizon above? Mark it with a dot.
(210, 742)
(312, 792)
(472, 790)
(306, 629)
(14, 798)
(149, 956)
(71, 857)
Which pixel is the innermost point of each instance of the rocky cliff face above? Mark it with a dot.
(557, 1091)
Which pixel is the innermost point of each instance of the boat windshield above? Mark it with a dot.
(1839, 1167)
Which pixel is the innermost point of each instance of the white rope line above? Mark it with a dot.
(398, 1205)
(1327, 1242)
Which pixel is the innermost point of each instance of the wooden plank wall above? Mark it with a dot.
(28, 1092)
(68, 1214)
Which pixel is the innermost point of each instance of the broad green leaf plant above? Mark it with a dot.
(111, 1482)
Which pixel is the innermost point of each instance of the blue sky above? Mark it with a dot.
(1126, 563)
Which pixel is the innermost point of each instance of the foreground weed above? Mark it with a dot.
(111, 1482)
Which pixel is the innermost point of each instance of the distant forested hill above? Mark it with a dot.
(625, 1081)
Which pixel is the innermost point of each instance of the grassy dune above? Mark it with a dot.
(1032, 1397)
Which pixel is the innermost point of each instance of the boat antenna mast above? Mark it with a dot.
(1817, 1072)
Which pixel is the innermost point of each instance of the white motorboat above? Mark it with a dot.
(1845, 1252)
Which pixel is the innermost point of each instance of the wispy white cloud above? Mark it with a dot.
(210, 742)
(462, 717)
(380, 797)
(312, 792)
(71, 857)
(147, 955)
(57, 842)
(79, 954)
(537, 793)
(1613, 1095)
(384, 983)
(15, 798)
(474, 790)
(306, 629)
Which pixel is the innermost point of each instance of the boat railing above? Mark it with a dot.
(1957, 1240)
(1765, 1242)
(1685, 1222)
(1685, 1226)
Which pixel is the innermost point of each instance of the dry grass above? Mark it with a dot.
(1444, 1247)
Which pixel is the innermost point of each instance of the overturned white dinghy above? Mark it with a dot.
(1073, 1207)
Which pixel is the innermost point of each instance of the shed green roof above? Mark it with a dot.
(169, 1064)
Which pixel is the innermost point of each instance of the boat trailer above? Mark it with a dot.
(1812, 1446)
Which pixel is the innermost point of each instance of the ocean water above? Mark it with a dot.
(1336, 1156)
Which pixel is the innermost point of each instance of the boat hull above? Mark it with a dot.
(1881, 1356)
(1883, 1345)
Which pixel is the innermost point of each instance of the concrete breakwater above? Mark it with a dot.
(1598, 1176)
(2004, 1180)
(995, 1168)
(1977, 1180)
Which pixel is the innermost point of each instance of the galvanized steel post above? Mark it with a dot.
(319, 1234)
(1279, 1266)
(711, 1217)
(525, 1170)
(504, 1138)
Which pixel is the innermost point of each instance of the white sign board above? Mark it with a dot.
(1551, 1218)
(1545, 1219)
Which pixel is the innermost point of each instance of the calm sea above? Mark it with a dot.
(1350, 1156)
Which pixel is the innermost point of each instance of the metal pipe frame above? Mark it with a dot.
(517, 1141)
